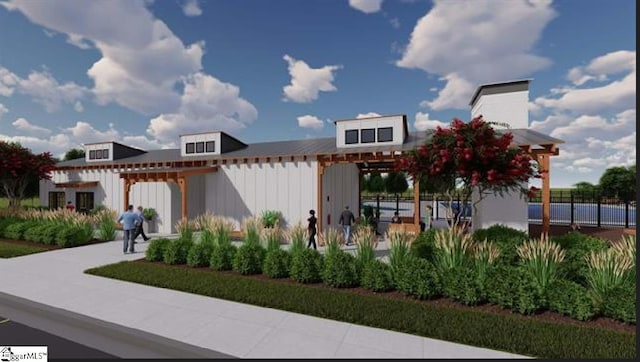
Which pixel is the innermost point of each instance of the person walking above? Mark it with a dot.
(139, 228)
(346, 219)
(428, 217)
(312, 229)
(70, 206)
(128, 220)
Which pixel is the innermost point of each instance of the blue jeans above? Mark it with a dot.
(347, 233)
(129, 236)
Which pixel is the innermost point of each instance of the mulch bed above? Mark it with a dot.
(548, 316)
(611, 234)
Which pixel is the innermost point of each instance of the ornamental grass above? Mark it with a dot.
(453, 248)
(608, 269)
(541, 258)
(298, 236)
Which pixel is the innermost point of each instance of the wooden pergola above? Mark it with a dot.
(179, 177)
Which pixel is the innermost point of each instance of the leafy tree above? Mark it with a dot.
(585, 187)
(73, 153)
(18, 165)
(619, 182)
(376, 183)
(474, 157)
(396, 183)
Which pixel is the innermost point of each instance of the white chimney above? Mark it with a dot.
(506, 102)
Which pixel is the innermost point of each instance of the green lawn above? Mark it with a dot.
(10, 250)
(34, 201)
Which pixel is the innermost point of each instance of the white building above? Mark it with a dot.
(213, 171)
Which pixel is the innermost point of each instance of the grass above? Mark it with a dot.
(10, 250)
(510, 333)
(34, 201)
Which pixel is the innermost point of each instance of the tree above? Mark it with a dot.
(396, 183)
(619, 182)
(376, 183)
(73, 153)
(585, 187)
(18, 165)
(474, 158)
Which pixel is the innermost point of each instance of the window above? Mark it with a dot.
(351, 136)
(210, 146)
(56, 199)
(98, 154)
(367, 135)
(84, 201)
(199, 147)
(190, 147)
(92, 155)
(105, 153)
(385, 134)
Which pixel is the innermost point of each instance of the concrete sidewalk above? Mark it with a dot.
(56, 278)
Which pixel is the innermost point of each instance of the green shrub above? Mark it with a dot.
(571, 299)
(620, 302)
(399, 252)
(48, 234)
(199, 254)
(277, 263)
(376, 276)
(5, 222)
(513, 288)
(462, 284)
(223, 255)
(155, 250)
(340, 270)
(249, 259)
(307, 266)
(577, 247)
(418, 278)
(33, 234)
(507, 239)
(17, 229)
(73, 235)
(424, 245)
(107, 230)
(177, 250)
(270, 218)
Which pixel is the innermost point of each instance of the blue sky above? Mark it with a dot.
(144, 72)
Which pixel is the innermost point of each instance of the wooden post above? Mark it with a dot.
(127, 188)
(543, 162)
(182, 182)
(320, 200)
(416, 203)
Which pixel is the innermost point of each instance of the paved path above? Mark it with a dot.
(56, 278)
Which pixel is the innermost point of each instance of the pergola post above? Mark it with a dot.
(127, 188)
(182, 182)
(543, 162)
(416, 202)
(320, 215)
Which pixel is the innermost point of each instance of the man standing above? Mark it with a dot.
(139, 229)
(128, 220)
(346, 218)
(312, 229)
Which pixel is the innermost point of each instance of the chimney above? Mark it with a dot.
(506, 102)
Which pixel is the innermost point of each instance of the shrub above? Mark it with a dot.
(423, 246)
(376, 276)
(185, 229)
(298, 236)
(73, 235)
(5, 222)
(607, 270)
(541, 259)
(462, 284)
(177, 250)
(271, 237)
(306, 266)
(506, 238)
(366, 243)
(33, 234)
(332, 239)
(106, 225)
(418, 278)
(270, 218)
(340, 270)
(251, 227)
(155, 250)
(16, 230)
(48, 233)
(571, 299)
(400, 250)
(249, 258)
(223, 255)
(577, 247)
(277, 263)
(620, 302)
(511, 287)
(452, 249)
(199, 254)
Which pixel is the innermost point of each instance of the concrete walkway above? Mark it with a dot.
(56, 278)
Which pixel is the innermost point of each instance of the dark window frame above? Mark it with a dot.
(382, 139)
(56, 199)
(98, 154)
(200, 147)
(85, 201)
(369, 132)
(105, 153)
(212, 144)
(190, 148)
(92, 154)
(351, 132)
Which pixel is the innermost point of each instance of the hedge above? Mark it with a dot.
(511, 333)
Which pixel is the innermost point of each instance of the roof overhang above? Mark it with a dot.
(164, 175)
(76, 184)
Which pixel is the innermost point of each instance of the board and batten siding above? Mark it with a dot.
(340, 184)
(109, 191)
(156, 195)
(243, 190)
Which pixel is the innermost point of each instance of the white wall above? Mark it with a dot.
(195, 196)
(202, 137)
(108, 192)
(243, 190)
(99, 146)
(511, 108)
(396, 122)
(511, 210)
(158, 196)
(340, 184)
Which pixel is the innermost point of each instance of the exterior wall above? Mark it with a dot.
(201, 137)
(158, 195)
(195, 200)
(511, 108)
(243, 190)
(108, 192)
(512, 211)
(340, 188)
(397, 122)
(99, 146)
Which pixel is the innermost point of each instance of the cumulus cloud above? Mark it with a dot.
(30, 129)
(207, 103)
(3, 110)
(307, 82)
(476, 42)
(8, 81)
(367, 115)
(308, 121)
(423, 122)
(191, 8)
(366, 6)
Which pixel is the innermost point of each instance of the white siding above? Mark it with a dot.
(195, 196)
(202, 137)
(158, 196)
(511, 210)
(340, 185)
(511, 108)
(244, 190)
(396, 122)
(100, 147)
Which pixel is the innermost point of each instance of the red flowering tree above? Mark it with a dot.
(17, 166)
(468, 157)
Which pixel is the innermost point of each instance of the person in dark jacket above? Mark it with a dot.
(346, 219)
(312, 229)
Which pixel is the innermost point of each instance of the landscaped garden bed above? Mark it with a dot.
(573, 297)
(13, 248)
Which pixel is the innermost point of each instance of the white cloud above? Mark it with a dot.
(307, 82)
(3, 110)
(207, 104)
(309, 121)
(78, 107)
(470, 43)
(30, 129)
(191, 8)
(367, 115)
(8, 81)
(366, 6)
(423, 123)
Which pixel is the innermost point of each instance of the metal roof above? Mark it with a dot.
(307, 147)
